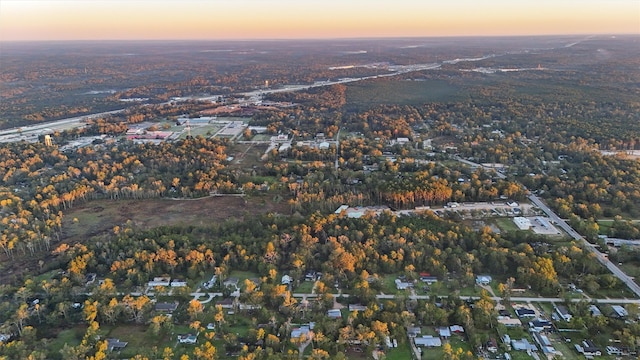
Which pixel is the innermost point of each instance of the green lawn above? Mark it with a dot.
(402, 352)
(604, 226)
(305, 287)
(470, 291)
(567, 349)
(238, 324)
(72, 337)
(138, 338)
(506, 224)
(389, 284)
(242, 276)
(456, 342)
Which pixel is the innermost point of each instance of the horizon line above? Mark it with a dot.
(316, 38)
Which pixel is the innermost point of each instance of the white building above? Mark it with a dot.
(522, 223)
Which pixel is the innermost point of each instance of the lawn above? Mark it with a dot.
(402, 352)
(506, 224)
(389, 284)
(238, 324)
(470, 291)
(567, 349)
(604, 226)
(305, 287)
(138, 338)
(242, 276)
(72, 337)
(438, 353)
(631, 268)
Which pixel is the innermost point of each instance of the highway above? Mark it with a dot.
(602, 258)
(31, 131)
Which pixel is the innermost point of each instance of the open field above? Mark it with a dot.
(364, 95)
(101, 216)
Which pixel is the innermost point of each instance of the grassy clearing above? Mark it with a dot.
(305, 287)
(364, 95)
(631, 268)
(238, 324)
(389, 284)
(567, 349)
(470, 291)
(456, 342)
(138, 338)
(71, 337)
(506, 224)
(402, 352)
(242, 276)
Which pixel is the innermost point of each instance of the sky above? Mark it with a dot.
(28, 20)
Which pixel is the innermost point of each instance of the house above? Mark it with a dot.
(545, 343)
(188, 339)
(357, 307)
(286, 280)
(595, 311)
(414, 331)
(492, 345)
(563, 312)
(525, 312)
(428, 279)
(211, 326)
(522, 345)
(115, 344)
(588, 349)
(167, 307)
(619, 311)
(159, 281)
(483, 279)
(444, 332)
(302, 332)
(256, 281)
(613, 350)
(178, 283)
(509, 322)
(211, 283)
(90, 278)
(403, 285)
(427, 341)
(540, 325)
(228, 303)
(242, 306)
(456, 329)
(231, 282)
(506, 340)
(312, 276)
(334, 314)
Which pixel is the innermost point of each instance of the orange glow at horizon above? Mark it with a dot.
(255, 19)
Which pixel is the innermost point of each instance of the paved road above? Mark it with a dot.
(495, 298)
(602, 258)
(488, 168)
(24, 132)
